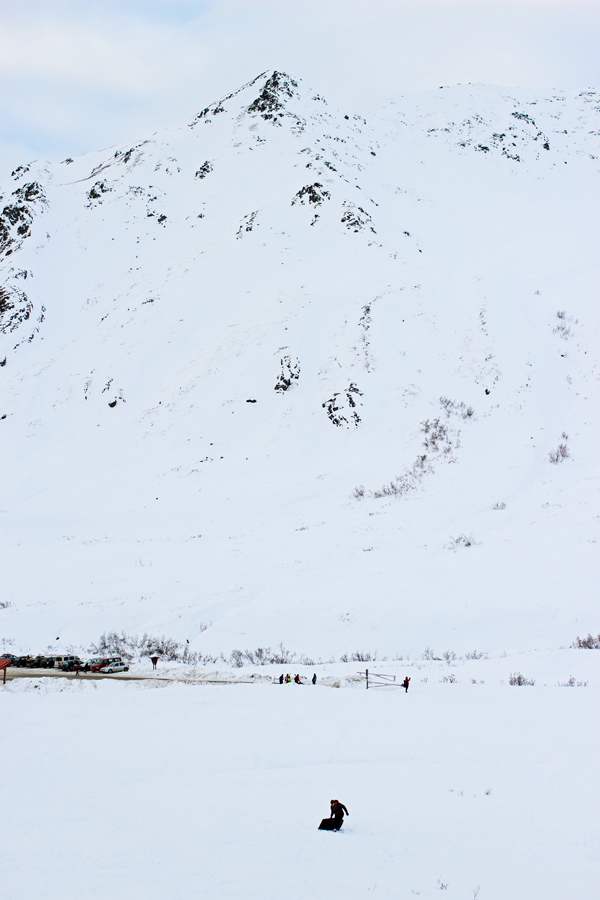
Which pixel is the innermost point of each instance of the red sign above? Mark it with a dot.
(4, 663)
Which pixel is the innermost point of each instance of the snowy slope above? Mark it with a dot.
(275, 371)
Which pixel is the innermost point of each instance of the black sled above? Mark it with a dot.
(329, 825)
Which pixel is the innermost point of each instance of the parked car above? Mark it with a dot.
(59, 661)
(9, 656)
(70, 663)
(20, 661)
(107, 661)
(93, 664)
(113, 667)
(36, 662)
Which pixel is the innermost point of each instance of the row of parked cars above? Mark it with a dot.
(106, 665)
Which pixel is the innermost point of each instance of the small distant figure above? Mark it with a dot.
(281, 679)
(336, 817)
(77, 668)
(405, 684)
(314, 678)
(297, 679)
(288, 679)
(86, 668)
(154, 660)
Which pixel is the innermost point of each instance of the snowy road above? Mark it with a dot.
(121, 676)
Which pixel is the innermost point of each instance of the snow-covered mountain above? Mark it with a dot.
(304, 376)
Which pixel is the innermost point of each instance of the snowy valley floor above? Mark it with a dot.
(457, 790)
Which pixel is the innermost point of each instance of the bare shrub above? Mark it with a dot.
(359, 656)
(265, 656)
(131, 646)
(403, 484)
(457, 408)
(439, 442)
(449, 656)
(475, 654)
(436, 434)
(113, 644)
(429, 654)
(281, 656)
(463, 540)
(561, 328)
(573, 683)
(520, 680)
(4, 604)
(561, 452)
(165, 647)
(448, 679)
(501, 505)
(557, 456)
(190, 658)
(587, 643)
(359, 492)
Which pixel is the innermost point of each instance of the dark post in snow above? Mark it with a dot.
(154, 660)
(367, 674)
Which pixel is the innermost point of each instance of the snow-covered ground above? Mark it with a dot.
(480, 790)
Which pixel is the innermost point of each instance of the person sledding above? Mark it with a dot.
(336, 817)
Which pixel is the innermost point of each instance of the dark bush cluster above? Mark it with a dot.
(264, 656)
(561, 452)
(520, 680)
(359, 656)
(587, 643)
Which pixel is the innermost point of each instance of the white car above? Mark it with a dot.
(115, 667)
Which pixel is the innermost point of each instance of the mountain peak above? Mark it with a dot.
(271, 101)
(275, 91)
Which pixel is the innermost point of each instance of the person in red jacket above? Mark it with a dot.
(405, 684)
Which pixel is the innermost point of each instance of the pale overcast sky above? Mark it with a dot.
(79, 75)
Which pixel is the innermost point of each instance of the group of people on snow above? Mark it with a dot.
(297, 679)
(287, 679)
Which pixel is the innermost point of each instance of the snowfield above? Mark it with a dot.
(481, 790)
(294, 377)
